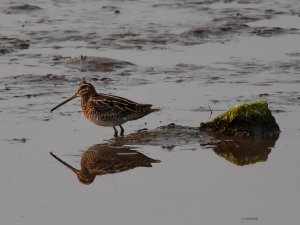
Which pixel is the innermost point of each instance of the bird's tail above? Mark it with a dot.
(155, 110)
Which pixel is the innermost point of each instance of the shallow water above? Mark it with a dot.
(190, 57)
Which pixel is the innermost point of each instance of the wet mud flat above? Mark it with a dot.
(193, 60)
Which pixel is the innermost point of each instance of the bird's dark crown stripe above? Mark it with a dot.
(86, 85)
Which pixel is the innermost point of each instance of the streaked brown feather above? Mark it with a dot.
(114, 107)
(102, 159)
(108, 110)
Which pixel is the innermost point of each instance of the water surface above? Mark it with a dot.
(190, 57)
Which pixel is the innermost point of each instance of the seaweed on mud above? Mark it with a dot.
(221, 32)
(56, 36)
(19, 8)
(33, 78)
(90, 63)
(217, 30)
(11, 44)
(17, 140)
(271, 31)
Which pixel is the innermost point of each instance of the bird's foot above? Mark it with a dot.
(122, 131)
(116, 132)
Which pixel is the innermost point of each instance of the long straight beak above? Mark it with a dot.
(64, 102)
(66, 164)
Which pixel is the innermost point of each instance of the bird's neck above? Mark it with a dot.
(87, 96)
(84, 102)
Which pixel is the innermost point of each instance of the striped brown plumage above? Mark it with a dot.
(102, 159)
(108, 110)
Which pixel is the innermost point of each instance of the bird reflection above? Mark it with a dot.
(241, 151)
(102, 159)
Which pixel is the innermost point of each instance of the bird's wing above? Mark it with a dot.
(119, 104)
(100, 105)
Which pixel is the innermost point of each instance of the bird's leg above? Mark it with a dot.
(122, 130)
(116, 132)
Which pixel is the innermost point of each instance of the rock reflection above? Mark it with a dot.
(237, 150)
(102, 159)
(242, 151)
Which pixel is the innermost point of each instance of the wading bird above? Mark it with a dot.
(107, 110)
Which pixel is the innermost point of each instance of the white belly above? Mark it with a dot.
(107, 123)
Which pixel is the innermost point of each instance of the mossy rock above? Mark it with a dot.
(252, 119)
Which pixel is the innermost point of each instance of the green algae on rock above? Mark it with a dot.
(252, 119)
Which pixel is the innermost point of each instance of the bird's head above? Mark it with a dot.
(83, 175)
(85, 178)
(84, 90)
